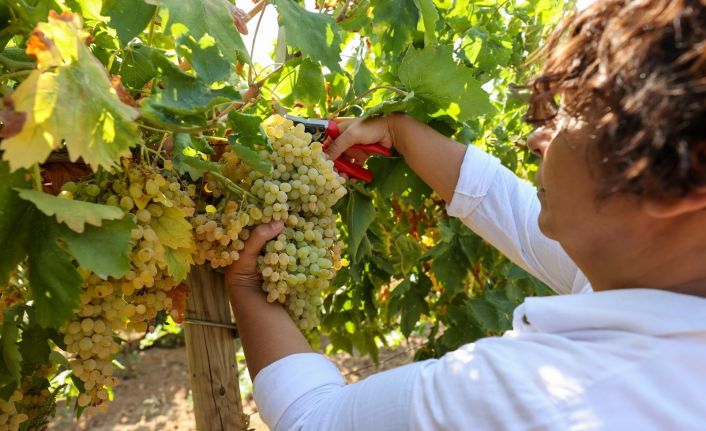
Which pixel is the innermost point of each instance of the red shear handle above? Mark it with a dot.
(353, 170)
(333, 132)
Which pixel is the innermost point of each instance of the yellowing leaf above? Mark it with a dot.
(75, 214)
(178, 262)
(172, 228)
(69, 99)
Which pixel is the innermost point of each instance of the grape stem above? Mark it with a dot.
(367, 93)
(14, 64)
(231, 186)
(150, 35)
(13, 75)
(37, 176)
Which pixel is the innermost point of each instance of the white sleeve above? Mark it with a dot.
(503, 210)
(306, 392)
(487, 385)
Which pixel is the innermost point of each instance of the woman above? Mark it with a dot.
(619, 223)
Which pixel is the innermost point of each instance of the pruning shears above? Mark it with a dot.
(321, 129)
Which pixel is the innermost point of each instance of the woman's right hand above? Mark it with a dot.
(359, 131)
(435, 158)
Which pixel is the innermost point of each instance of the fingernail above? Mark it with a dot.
(276, 224)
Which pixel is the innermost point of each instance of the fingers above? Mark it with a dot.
(359, 131)
(258, 237)
(246, 265)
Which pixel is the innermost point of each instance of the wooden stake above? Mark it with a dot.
(211, 354)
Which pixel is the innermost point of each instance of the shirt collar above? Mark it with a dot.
(644, 311)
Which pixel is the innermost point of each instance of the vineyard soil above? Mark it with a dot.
(155, 392)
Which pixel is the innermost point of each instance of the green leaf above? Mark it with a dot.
(184, 94)
(361, 214)
(179, 262)
(75, 214)
(205, 58)
(434, 76)
(250, 157)
(363, 79)
(406, 254)
(127, 17)
(104, 250)
(13, 213)
(34, 348)
(184, 155)
(98, 128)
(169, 120)
(247, 130)
(310, 87)
(429, 16)
(392, 176)
(396, 22)
(484, 314)
(54, 281)
(136, 69)
(205, 20)
(316, 35)
(10, 349)
(449, 267)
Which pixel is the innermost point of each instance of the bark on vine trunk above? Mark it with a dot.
(211, 354)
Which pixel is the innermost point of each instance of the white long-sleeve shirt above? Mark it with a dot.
(632, 359)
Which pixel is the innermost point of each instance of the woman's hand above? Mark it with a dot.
(434, 157)
(377, 130)
(242, 276)
(266, 330)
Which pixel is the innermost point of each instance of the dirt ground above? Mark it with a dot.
(155, 393)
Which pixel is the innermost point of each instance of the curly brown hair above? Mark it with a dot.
(644, 61)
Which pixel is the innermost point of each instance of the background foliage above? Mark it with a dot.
(187, 82)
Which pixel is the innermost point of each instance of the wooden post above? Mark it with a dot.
(211, 354)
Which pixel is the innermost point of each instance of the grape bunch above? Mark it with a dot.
(37, 402)
(301, 190)
(220, 234)
(134, 300)
(299, 264)
(10, 418)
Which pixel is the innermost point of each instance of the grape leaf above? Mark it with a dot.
(247, 130)
(179, 262)
(429, 16)
(449, 267)
(13, 212)
(185, 152)
(450, 86)
(396, 22)
(210, 18)
(361, 214)
(54, 281)
(250, 157)
(10, 349)
(97, 128)
(103, 250)
(184, 94)
(75, 214)
(172, 229)
(310, 87)
(34, 348)
(137, 69)
(316, 35)
(392, 176)
(204, 57)
(127, 17)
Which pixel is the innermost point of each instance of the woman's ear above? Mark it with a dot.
(694, 201)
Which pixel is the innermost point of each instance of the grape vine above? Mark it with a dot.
(111, 191)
